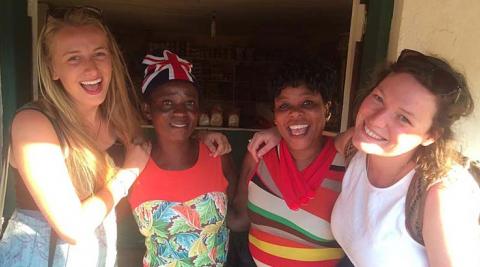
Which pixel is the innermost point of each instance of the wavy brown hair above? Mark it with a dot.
(453, 101)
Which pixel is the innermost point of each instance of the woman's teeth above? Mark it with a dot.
(373, 135)
(298, 129)
(91, 85)
(178, 125)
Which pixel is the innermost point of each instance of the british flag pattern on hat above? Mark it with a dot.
(171, 64)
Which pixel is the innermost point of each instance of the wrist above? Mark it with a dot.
(123, 181)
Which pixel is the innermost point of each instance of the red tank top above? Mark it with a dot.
(155, 183)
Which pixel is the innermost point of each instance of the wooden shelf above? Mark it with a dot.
(208, 128)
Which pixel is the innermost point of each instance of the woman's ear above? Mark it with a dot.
(53, 73)
(432, 137)
(146, 111)
(328, 113)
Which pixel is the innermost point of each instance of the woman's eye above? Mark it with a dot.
(73, 59)
(377, 98)
(100, 54)
(166, 103)
(307, 103)
(190, 104)
(404, 119)
(283, 107)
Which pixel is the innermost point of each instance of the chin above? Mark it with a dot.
(369, 148)
(298, 144)
(181, 134)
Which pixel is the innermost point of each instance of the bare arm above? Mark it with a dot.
(450, 226)
(39, 158)
(238, 218)
(262, 142)
(342, 139)
(230, 172)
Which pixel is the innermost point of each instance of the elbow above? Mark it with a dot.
(72, 234)
(70, 238)
(237, 222)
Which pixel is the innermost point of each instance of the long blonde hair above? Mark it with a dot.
(89, 167)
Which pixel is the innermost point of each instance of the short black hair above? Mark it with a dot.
(317, 75)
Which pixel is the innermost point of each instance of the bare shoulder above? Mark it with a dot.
(31, 126)
(342, 139)
(458, 181)
(457, 196)
(450, 222)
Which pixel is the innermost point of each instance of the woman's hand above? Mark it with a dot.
(342, 139)
(216, 142)
(136, 156)
(262, 142)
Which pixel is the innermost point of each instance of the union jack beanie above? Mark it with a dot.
(160, 70)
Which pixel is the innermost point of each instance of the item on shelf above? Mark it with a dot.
(204, 119)
(216, 119)
(234, 118)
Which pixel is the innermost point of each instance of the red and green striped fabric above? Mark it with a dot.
(280, 236)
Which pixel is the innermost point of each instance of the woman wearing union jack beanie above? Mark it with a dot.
(180, 200)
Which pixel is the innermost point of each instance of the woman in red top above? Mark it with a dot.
(289, 194)
(180, 199)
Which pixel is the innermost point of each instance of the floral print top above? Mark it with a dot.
(181, 213)
(191, 233)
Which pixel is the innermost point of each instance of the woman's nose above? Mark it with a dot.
(295, 111)
(91, 67)
(379, 118)
(179, 109)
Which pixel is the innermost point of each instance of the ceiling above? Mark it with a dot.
(234, 17)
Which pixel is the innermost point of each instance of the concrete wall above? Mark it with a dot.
(451, 30)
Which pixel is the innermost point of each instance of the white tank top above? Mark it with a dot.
(369, 222)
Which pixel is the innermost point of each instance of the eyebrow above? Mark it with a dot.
(280, 97)
(78, 51)
(408, 112)
(401, 109)
(70, 53)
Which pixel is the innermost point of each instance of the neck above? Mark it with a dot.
(171, 155)
(90, 115)
(385, 171)
(304, 157)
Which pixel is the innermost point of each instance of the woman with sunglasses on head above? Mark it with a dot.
(68, 184)
(63, 145)
(403, 133)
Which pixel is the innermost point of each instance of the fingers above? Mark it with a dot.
(262, 142)
(263, 151)
(147, 146)
(220, 147)
(211, 147)
(254, 144)
(217, 143)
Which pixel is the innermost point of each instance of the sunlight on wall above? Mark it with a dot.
(449, 29)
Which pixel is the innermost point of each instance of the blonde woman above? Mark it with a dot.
(69, 183)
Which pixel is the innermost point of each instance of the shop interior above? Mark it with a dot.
(234, 46)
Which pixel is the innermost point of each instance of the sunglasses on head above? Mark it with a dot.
(62, 12)
(444, 81)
